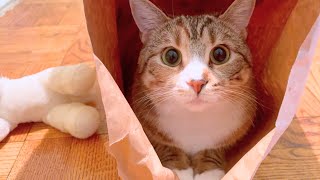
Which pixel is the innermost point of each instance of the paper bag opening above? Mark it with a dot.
(275, 35)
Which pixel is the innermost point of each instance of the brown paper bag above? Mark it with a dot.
(283, 36)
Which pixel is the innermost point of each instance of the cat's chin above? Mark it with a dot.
(196, 105)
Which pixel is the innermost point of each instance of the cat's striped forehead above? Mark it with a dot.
(194, 34)
(194, 26)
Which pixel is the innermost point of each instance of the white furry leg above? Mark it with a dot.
(73, 80)
(216, 174)
(77, 119)
(5, 129)
(185, 174)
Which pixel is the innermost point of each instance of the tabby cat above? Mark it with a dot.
(194, 91)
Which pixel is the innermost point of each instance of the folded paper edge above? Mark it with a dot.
(293, 91)
(147, 161)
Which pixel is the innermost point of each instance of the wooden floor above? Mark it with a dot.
(36, 35)
(43, 33)
(297, 154)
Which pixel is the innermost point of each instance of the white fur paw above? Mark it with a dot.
(216, 174)
(74, 80)
(4, 129)
(77, 119)
(185, 174)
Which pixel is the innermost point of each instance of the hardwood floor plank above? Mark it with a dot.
(19, 134)
(11, 70)
(24, 14)
(48, 1)
(32, 58)
(8, 154)
(77, 159)
(36, 35)
(80, 51)
(42, 131)
(296, 155)
(39, 39)
(35, 68)
(72, 16)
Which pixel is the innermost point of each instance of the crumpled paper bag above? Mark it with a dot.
(283, 76)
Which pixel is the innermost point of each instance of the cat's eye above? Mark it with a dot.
(219, 55)
(171, 57)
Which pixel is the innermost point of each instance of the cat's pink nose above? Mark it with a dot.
(197, 85)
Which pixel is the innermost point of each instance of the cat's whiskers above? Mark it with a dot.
(238, 91)
(248, 94)
(148, 102)
(147, 93)
(226, 93)
(153, 94)
(157, 102)
(237, 104)
(155, 98)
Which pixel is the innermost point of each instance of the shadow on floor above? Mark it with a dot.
(296, 152)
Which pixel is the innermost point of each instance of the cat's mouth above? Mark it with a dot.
(197, 101)
(196, 104)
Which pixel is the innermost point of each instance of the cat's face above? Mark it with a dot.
(196, 61)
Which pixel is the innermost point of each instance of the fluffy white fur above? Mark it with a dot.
(193, 71)
(193, 131)
(185, 174)
(190, 123)
(215, 174)
(55, 96)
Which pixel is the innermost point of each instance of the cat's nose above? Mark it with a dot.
(197, 85)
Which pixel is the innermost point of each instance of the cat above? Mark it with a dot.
(194, 89)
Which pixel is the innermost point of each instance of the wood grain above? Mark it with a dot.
(77, 159)
(36, 35)
(296, 155)
(64, 158)
(19, 134)
(8, 155)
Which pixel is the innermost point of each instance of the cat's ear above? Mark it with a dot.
(147, 16)
(239, 13)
